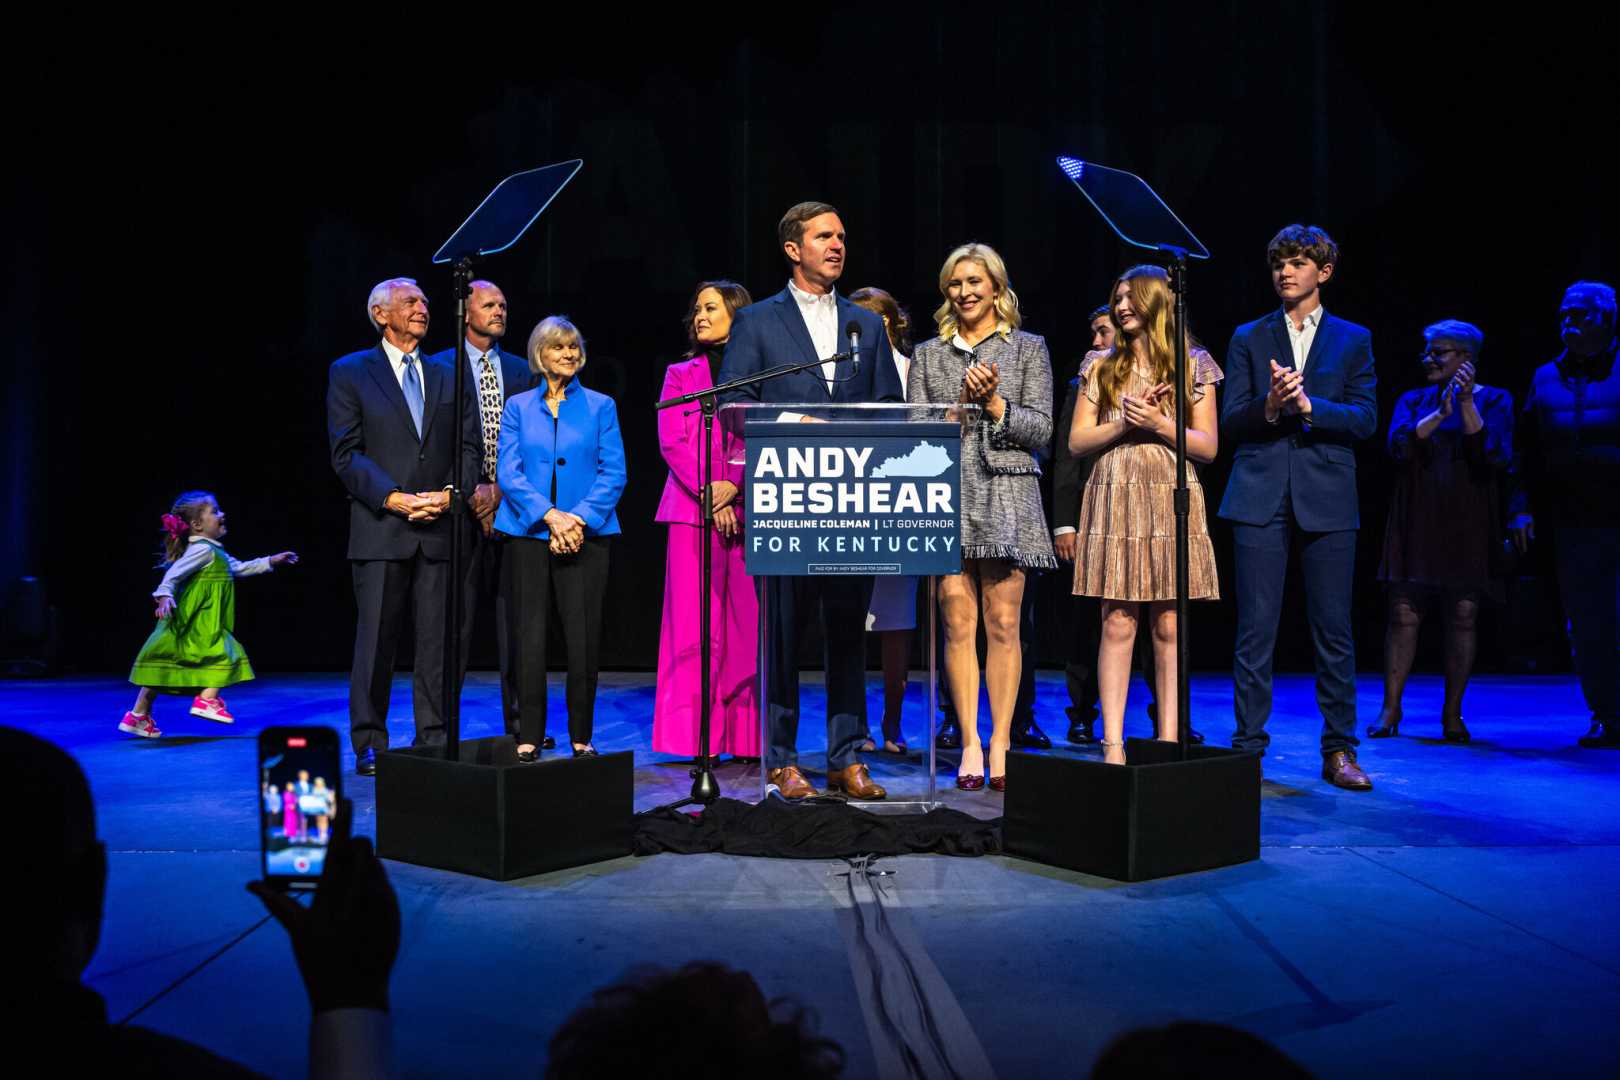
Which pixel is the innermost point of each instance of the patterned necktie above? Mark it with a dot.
(412, 385)
(489, 407)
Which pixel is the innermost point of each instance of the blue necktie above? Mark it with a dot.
(412, 385)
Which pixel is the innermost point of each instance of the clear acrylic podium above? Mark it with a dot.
(849, 490)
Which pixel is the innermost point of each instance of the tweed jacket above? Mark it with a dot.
(1014, 445)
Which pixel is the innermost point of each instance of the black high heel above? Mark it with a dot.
(1388, 729)
(1454, 732)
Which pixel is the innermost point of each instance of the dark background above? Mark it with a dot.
(196, 219)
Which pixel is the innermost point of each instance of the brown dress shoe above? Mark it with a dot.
(855, 781)
(1340, 770)
(791, 783)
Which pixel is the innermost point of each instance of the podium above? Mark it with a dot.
(849, 491)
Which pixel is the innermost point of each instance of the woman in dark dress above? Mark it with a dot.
(1451, 440)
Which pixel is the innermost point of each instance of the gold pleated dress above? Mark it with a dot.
(1127, 527)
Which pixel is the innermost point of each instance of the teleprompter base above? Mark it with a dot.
(1152, 817)
(491, 816)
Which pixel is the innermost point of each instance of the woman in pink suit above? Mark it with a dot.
(292, 822)
(733, 607)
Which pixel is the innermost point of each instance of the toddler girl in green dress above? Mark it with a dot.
(192, 647)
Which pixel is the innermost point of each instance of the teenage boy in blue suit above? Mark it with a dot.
(806, 321)
(1299, 396)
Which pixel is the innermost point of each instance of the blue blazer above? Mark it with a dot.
(376, 451)
(772, 332)
(1315, 462)
(580, 447)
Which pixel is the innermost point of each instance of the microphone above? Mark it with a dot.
(852, 330)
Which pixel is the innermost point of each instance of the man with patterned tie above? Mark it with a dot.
(399, 444)
(493, 375)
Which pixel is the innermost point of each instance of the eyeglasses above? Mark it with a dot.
(1437, 354)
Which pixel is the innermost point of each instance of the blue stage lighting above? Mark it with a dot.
(1072, 167)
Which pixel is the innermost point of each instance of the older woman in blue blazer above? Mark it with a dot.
(561, 471)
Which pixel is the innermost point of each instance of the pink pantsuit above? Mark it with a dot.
(734, 607)
(292, 822)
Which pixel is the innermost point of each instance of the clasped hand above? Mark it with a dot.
(722, 502)
(1144, 412)
(979, 382)
(424, 506)
(567, 531)
(1287, 393)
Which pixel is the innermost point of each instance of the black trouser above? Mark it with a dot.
(536, 582)
(483, 588)
(383, 588)
(841, 604)
(1080, 671)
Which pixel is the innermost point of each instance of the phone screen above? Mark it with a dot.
(300, 782)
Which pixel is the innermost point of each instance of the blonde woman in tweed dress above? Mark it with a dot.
(1127, 534)
(981, 357)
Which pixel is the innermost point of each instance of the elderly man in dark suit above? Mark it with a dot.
(1299, 396)
(803, 322)
(400, 443)
(493, 376)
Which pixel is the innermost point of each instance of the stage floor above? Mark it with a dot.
(1463, 918)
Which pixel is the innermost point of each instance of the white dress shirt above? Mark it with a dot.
(821, 319)
(396, 360)
(1301, 338)
(475, 357)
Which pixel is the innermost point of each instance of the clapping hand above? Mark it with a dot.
(1143, 412)
(1287, 393)
(979, 383)
(345, 942)
(284, 558)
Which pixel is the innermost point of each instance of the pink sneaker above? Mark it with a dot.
(139, 725)
(211, 709)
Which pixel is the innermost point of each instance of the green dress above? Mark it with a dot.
(193, 648)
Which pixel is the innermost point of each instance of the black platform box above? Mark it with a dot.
(489, 815)
(1152, 817)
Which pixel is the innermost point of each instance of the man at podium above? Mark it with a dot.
(806, 321)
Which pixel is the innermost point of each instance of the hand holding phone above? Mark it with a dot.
(300, 783)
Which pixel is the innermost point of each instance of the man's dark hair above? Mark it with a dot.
(1308, 240)
(790, 230)
(704, 1018)
(1099, 313)
(1194, 1050)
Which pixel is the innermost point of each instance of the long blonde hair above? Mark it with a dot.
(1154, 304)
(1006, 300)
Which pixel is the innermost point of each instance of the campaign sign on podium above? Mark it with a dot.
(864, 497)
(862, 491)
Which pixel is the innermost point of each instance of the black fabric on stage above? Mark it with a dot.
(821, 829)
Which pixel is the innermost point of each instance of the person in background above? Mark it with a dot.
(493, 376)
(1126, 548)
(892, 613)
(1451, 440)
(1301, 391)
(1564, 476)
(981, 357)
(561, 472)
(733, 603)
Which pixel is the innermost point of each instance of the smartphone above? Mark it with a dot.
(300, 783)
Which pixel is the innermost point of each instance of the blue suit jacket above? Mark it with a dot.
(772, 332)
(581, 446)
(376, 451)
(1315, 462)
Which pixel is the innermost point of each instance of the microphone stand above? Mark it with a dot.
(705, 785)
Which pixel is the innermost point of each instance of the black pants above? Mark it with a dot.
(383, 590)
(1080, 671)
(482, 589)
(841, 604)
(536, 583)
